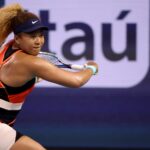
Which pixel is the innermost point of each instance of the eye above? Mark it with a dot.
(33, 36)
(41, 34)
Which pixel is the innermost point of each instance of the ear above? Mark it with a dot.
(16, 38)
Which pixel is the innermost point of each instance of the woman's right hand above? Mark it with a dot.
(92, 63)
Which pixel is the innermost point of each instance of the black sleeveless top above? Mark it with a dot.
(12, 98)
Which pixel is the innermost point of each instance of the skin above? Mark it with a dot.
(24, 65)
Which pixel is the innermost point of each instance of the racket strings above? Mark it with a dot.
(50, 58)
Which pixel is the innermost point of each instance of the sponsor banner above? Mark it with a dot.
(113, 33)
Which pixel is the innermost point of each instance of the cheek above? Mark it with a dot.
(26, 45)
(42, 40)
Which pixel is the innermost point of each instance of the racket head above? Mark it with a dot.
(54, 59)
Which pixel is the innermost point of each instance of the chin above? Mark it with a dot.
(35, 54)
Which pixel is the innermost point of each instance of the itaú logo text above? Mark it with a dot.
(120, 47)
(88, 39)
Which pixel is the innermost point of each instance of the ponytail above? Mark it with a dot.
(7, 13)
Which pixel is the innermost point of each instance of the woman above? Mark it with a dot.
(19, 67)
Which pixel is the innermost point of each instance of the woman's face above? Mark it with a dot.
(30, 43)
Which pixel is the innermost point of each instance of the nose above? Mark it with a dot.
(38, 40)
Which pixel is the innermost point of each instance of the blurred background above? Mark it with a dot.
(112, 110)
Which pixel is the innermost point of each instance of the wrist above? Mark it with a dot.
(92, 68)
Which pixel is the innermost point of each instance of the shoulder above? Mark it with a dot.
(21, 56)
(23, 59)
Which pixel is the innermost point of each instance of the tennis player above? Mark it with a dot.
(19, 67)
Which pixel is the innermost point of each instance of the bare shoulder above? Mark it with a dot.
(26, 59)
(29, 62)
(23, 61)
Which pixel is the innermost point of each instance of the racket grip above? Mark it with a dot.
(78, 67)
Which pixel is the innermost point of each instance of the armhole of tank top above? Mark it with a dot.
(10, 57)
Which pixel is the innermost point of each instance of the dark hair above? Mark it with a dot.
(15, 19)
(8, 13)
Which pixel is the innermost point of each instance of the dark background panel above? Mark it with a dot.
(88, 117)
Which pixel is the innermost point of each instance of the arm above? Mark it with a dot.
(49, 72)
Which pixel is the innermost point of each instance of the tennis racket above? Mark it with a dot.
(54, 59)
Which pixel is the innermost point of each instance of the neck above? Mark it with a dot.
(15, 46)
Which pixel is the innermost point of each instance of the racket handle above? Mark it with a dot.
(78, 67)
